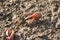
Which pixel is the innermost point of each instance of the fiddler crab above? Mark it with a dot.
(31, 17)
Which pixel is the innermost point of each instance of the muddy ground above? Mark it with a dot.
(46, 28)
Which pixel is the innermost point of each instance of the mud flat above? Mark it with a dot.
(46, 28)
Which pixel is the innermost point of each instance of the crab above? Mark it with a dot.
(31, 17)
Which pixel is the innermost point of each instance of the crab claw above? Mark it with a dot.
(9, 34)
(34, 15)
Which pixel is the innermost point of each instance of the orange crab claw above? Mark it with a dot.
(10, 34)
(34, 15)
